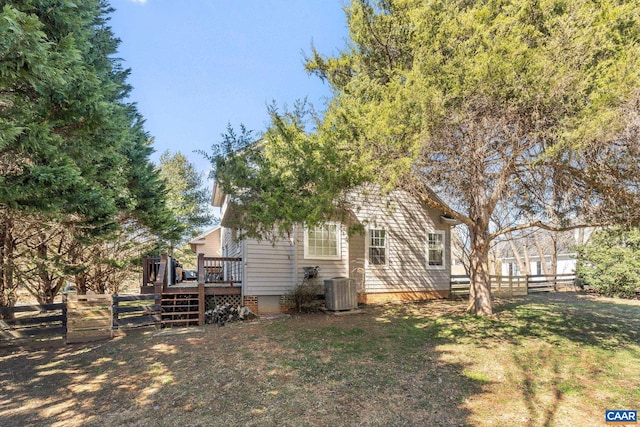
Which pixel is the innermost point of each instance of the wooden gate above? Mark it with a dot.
(89, 318)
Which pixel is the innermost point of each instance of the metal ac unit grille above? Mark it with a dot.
(340, 293)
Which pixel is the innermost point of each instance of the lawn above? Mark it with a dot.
(545, 360)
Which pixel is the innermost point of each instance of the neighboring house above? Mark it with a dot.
(535, 249)
(404, 252)
(566, 265)
(208, 243)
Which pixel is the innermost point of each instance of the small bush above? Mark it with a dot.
(304, 297)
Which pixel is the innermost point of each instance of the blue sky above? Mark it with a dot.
(200, 64)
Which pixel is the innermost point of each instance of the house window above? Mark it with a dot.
(435, 249)
(377, 246)
(322, 241)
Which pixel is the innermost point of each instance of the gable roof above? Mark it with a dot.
(200, 239)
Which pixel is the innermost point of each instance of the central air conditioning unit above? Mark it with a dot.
(340, 294)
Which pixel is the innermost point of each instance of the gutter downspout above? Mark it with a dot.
(243, 252)
(294, 244)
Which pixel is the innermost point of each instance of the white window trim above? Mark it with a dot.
(444, 252)
(338, 243)
(367, 245)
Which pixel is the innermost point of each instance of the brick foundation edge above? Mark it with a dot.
(251, 302)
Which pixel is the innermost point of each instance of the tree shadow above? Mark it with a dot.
(537, 332)
(605, 324)
(390, 365)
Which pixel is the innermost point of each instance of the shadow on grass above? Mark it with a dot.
(555, 345)
(386, 367)
(77, 384)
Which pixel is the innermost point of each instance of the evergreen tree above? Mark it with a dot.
(187, 197)
(71, 147)
(486, 110)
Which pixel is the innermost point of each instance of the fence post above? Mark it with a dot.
(201, 304)
(64, 314)
(526, 282)
(114, 310)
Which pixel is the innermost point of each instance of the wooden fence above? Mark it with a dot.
(510, 286)
(136, 311)
(79, 318)
(33, 324)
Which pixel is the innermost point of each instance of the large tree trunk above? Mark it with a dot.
(480, 288)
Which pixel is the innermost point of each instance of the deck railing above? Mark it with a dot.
(219, 275)
(150, 270)
(220, 270)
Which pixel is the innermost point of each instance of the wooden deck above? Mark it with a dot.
(209, 289)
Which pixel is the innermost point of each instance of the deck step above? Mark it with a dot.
(179, 309)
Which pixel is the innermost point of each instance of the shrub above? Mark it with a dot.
(610, 263)
(304, 297)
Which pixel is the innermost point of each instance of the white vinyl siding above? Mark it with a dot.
(405, 221)
(268, 267)
(435, 249)
(322, 241)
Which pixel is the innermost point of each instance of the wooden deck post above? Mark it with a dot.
(145, 270)
(201, 303)
(163, 272)
(201, 272)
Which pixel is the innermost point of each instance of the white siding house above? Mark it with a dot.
(400, 249)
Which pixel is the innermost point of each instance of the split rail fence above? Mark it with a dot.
(511, 286)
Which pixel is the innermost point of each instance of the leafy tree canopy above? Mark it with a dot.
(73, 152)
(286, 176)
(503, 114)
(514, 113)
